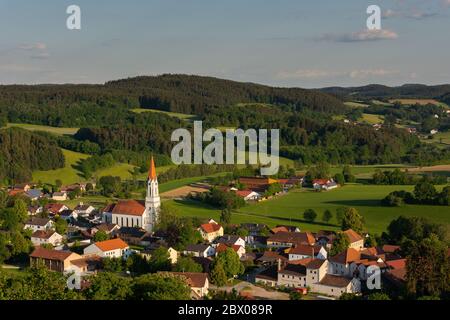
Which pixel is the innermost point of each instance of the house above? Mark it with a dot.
(254, 229)
(198, 282)
(356, 240)
(199, 250)
(231, 240)
(33, 194)
(335, 286)
(41, 237)
(54, 260)
(115, 248)
(68, 215)
(55, 208)
(292, 276)
(302, 251)
(60, 196)
(271, 258)
(211, 231)
(222, 247)
(109, 228)
(325, 238)
(248, 195)
(22, 186)
(324, 184)
(290, 239)
(340, 263)
(35, 224)
(292, 182)
(83, 210)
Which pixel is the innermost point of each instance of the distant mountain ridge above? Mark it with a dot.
(439, 92)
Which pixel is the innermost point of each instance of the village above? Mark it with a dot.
(275, 263)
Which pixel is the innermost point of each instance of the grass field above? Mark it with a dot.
(67, 175)
(353, 104)
(182, 116)
(288, 209)
(372, 118)
(54, 130)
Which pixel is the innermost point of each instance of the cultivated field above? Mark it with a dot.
(422, 102)
(182, 192)
(182, 116)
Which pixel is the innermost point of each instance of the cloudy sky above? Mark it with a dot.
(302, 43)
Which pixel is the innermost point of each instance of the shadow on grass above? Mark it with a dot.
(356, 203)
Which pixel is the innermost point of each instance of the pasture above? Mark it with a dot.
(289, 208)
(34, 127)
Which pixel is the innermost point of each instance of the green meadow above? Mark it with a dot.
(289, 208)
(34, 127)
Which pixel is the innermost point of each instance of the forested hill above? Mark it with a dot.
(177, 93)
(439, 92)
(192, 94)
(22, 151)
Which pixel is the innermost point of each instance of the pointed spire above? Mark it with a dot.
(152, 170)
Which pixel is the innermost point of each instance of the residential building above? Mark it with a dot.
(301, 251)
(198, 282)
(83, 210)
(41, 237)
(55, 208)
(211, 231)
(42, 224)
(59, 261)
(60, 196)
(248, 195)
(340, 263)
(356, 240)
(114, 248)
(222, 247)
(199, 250)
(290, 239)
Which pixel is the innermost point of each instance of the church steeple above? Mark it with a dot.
(152, 170)
(152, 200)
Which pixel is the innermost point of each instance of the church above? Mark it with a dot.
(135, 213)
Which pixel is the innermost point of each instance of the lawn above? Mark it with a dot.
(54, 130)
(67, 175)
(372, 118)
(288, 209)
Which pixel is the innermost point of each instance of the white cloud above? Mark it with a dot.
(306, 74)
(366, 35)
(369, 73)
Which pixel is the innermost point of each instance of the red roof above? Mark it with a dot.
(54, 207)
(51, 254)
(244, 193)
(346, 256)
(397, 264)
(353, 236)
(129, 208)
(321, 181)
(210, 227)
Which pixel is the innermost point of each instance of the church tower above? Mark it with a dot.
(152, 200)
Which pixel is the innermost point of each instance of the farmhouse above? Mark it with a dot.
(257, 184)
(302, 251)
(199, 250)
(59, 261)
(198, 282)
(55, 208)
(248, 195)
(324, 184)
(60, 196)
(356, 240)
(211, 231)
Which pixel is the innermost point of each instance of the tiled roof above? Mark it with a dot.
(305, 250)
(346, 256)
(110, 245)
(390, 248)
(54, 207)
(294, 269)
(210, 227)
(129, 208)
(315, 264)
(293, 237)
(38, 221)
(397, 264)
(42, 234)
(353, 236)
(244, 193)
(335, 281)
(51, 254)
(194, 279)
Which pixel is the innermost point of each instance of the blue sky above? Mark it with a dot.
(284, 42)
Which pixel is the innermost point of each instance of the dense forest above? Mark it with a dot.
(21, 152)
(309, 133)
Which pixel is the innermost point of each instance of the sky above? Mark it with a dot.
(289, 43)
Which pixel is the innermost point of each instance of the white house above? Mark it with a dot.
(232, 240)
(36, 224)
(211, 231)
(200, 250)
(40, 237)
(83, 209)
(300, 252)
(60, 196)
(115, 248)
(324, 184)
(340, 263)
(68, 215)
(356, 240)
(248, 195)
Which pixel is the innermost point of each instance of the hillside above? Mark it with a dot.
(22, 151)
